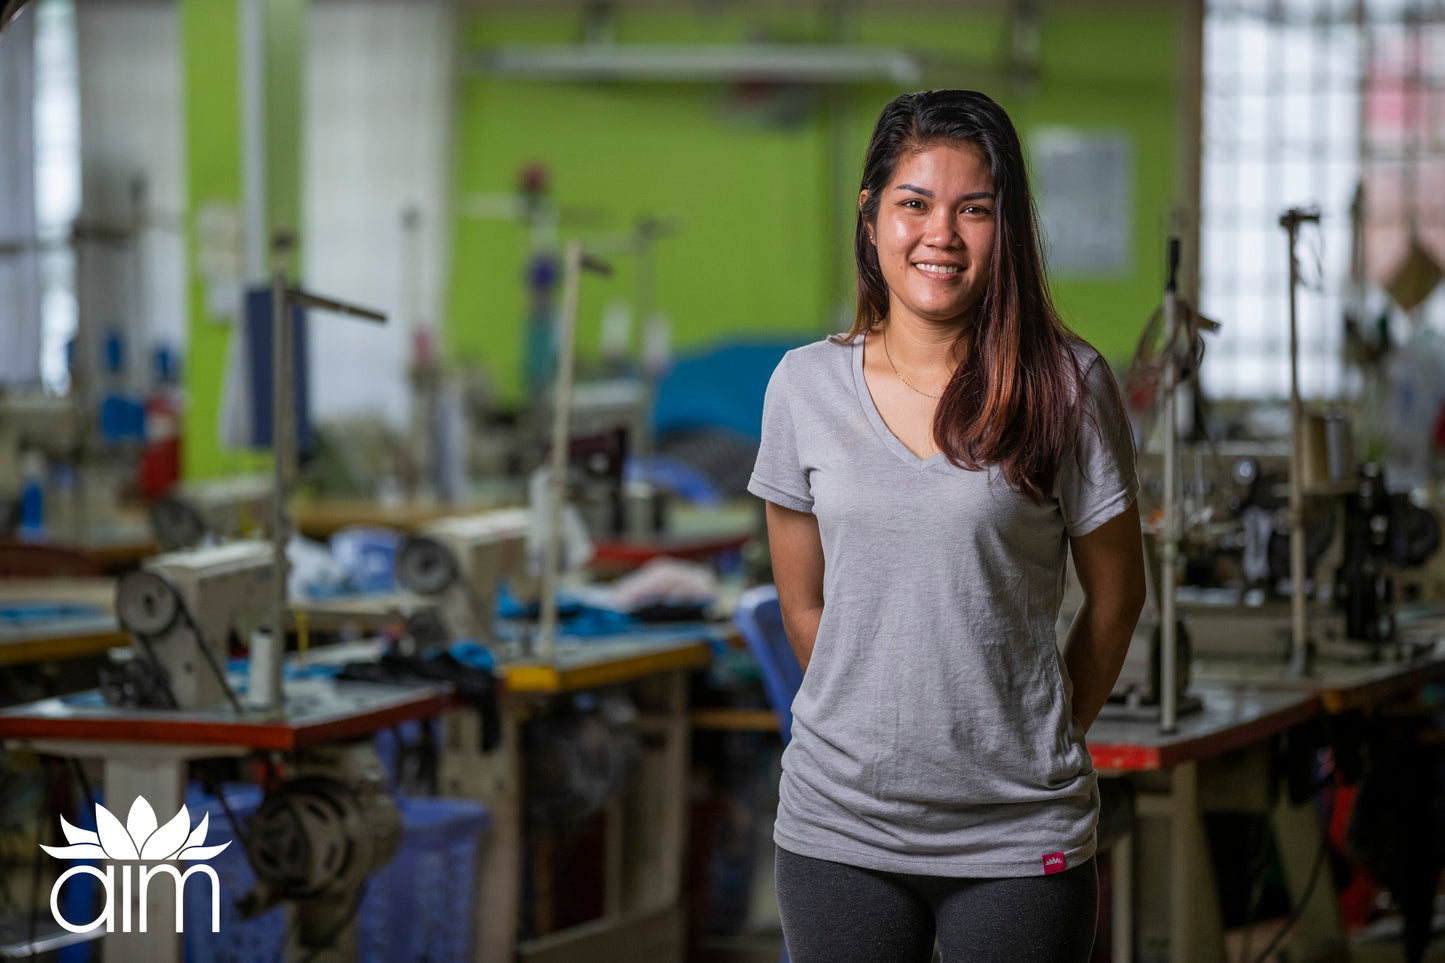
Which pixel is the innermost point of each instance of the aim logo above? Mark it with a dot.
(139, 841)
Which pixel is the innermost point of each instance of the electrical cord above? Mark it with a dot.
(13, 788)
(219, 791)
(33, 924)
(1146, 376)
(1297, 910)
(1256, 870)
(84, 781)
(1147, 369)
(42, 811)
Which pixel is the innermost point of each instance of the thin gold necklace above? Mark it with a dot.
(899, 376)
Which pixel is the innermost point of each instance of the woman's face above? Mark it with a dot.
(935, 233)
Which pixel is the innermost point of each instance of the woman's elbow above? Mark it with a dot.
(1134, 607)
(1129, 603)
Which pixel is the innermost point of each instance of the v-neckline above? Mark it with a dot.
(875, 418)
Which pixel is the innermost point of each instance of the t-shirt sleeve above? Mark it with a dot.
(1101, 482)
(778, 475)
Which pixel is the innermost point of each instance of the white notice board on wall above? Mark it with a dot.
(1084, 181)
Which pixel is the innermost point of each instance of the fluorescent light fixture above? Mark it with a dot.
(788, 63)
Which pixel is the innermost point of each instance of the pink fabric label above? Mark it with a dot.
(1053, 863)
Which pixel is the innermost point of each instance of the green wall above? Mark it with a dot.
(1121, 72)
(760, 219)
(211, 70)
(745, 193)
(211, 81)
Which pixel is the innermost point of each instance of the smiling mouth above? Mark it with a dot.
(939, 269)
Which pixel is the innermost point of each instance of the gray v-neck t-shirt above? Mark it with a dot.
(933, 732)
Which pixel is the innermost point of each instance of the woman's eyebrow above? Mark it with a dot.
(976, 196)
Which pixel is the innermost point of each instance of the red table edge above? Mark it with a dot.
(627, 552)
(1133, 757)
(280, 735)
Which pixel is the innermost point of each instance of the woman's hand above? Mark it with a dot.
(797, 551)
(1109, 562)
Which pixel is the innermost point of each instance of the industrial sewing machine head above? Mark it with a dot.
(1359, 538)
(459, 561)
(1384, 533)
(197, 512)
(183, 609)
(608, 430)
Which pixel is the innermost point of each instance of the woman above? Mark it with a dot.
(925, 474)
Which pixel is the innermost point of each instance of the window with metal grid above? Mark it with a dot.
(1307, 102)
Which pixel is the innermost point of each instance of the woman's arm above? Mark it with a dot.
(1110, 564)
(797, 551)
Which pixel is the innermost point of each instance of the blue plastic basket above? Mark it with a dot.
(418, 908)
(422, 905)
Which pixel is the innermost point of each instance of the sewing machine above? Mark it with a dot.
(459, 562)
(1235, 549)
(183, 609)
(218, 509)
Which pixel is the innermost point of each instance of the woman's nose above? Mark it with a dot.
(941, 230)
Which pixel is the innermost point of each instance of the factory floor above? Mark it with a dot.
(762, 937)
(746, 948)
(1380, 943)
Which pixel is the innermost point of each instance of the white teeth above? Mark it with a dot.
(938, 268)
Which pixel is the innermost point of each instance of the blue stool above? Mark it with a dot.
(759, 619)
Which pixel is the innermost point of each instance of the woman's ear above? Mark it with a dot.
(862, 200)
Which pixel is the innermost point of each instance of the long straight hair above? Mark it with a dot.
(1012, 402)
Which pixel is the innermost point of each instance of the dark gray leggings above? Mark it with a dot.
(834, 913)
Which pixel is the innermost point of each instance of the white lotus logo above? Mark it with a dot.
(139, 839)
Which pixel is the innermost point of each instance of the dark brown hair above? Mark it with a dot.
(1012, 400)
